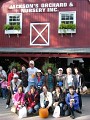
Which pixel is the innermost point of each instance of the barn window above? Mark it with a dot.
(13, 23)
(67, 22)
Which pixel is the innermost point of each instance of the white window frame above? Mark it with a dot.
(74, 21)
(32, 26)
(7, 22)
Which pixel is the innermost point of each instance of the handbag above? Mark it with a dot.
(13, 109)
(23, 112)
(84, 89)
(56, 112)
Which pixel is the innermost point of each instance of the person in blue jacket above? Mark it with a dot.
(72, 101)
(40, 78)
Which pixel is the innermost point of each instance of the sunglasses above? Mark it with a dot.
(15, 78)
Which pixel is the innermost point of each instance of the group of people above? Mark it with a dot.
(31, 88)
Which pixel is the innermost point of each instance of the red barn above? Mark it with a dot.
(41, 29)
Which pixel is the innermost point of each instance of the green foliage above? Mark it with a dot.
(6, 27)
(47, 64)
(16, 64)
(11, 27)
(67, 26)
(16, 27)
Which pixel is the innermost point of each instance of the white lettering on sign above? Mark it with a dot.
(43, 7)
(33, 10)
(70, 4)
(52, 10)
(53, 5)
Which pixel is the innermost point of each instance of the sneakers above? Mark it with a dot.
(7, 106)
(79, 111)
(3, 98)
(72, 116)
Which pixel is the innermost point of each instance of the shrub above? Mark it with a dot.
(16, 64)
(47, 64)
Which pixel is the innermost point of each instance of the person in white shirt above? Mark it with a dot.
(2, 73)
(70, 79)
(31, 75)
(46, 99)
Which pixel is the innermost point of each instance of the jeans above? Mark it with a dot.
(80, 100)
(4, 92)
(34, 109)
(8, 97)
(29, 85)
(25, 89)
(62, 112)
(71, 110)
(50, 89)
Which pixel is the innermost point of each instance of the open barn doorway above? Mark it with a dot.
(82, 63)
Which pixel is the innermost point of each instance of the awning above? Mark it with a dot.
(45, 50)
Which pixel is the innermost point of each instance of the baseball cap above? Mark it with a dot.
(15, 76)
(31, 62)
(60, 83)
(39, 71)
(60, 69)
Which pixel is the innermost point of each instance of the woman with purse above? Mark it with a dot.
(18, 98)
(59, 99)
(46, 99)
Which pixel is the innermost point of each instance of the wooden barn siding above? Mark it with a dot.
(80, 39)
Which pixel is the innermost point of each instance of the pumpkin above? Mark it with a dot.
(43, 112)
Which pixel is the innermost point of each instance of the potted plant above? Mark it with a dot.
(47, 64)
(12, 29)
(16, 27)
(67, 28)
(16, 64)
(7, 26)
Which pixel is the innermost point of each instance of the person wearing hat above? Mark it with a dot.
(40, 80)
(31, 74)
(60, 78)
(15, 83)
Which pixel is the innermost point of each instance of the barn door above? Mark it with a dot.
(39, 34)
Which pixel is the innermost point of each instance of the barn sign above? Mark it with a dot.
(42, 7)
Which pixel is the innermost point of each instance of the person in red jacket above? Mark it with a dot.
(10, 77)
(11, 74)
(32, 100)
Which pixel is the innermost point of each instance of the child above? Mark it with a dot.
(3, 83)
(72, 101)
